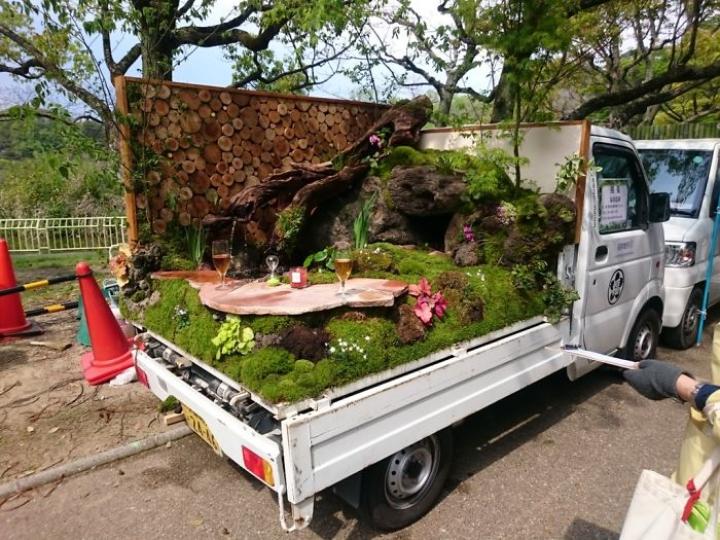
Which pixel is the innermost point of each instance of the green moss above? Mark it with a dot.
(168, 404)
(370, 345)
(162, 318)
(260, 364)
(404, 156)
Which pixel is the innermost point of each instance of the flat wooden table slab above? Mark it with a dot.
(257, 298)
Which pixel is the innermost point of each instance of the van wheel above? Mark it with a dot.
(684, 334)
(643, 340)
(402, 488)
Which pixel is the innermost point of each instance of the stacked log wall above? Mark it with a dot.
(194, 147)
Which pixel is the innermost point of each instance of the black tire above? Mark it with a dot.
(644, 336)
(389, 503)
(683, 336)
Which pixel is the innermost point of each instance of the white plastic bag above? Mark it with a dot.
(124, 377)
(658, 503)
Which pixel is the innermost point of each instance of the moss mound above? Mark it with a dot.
(481, 299)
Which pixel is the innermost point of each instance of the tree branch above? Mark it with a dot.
(674, 74)
(24, 70)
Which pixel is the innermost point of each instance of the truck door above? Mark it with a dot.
(621, 258)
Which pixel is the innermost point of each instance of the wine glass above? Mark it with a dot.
(272, 262)
(343, 269)
(221, 259)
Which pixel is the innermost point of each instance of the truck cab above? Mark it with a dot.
(687, 169)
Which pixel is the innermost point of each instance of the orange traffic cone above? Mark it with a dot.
(12, 316)
(110, 348)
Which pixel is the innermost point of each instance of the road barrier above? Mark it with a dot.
(63, 234)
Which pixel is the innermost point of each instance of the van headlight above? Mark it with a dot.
(680, 255)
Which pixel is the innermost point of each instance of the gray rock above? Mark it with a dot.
(423, 191)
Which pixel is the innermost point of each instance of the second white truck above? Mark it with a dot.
(688, 170)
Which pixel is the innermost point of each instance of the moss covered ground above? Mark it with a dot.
(359, 344)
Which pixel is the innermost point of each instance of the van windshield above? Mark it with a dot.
(681, 173)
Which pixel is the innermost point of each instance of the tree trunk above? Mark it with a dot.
(156, 25)
(503, 104)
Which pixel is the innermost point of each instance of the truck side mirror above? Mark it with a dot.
(659, 207)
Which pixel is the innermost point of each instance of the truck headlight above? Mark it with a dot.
(680, 255)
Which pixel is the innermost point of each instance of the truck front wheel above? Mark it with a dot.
(643, 339)
(684, 334)
(402, 488)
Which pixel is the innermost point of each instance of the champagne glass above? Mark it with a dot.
(343, 269)
(272, 262)
(221, 259)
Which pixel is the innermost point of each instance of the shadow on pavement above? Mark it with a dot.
(580, 529)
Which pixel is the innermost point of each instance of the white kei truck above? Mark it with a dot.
(384, 443)
(688, 170)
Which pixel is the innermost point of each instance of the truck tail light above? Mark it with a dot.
(258, 466)
(142, 376)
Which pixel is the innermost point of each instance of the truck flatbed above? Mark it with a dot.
(280, 411)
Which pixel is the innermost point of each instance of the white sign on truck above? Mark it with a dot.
(385, 441)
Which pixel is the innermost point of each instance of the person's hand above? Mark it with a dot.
(654, 379)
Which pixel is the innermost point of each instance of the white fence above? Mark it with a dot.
(63, 234)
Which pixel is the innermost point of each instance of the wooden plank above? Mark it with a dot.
(585, 154)
(126, 161)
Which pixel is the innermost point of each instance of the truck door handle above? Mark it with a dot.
(601, 253)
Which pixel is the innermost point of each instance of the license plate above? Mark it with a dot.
(199, 426)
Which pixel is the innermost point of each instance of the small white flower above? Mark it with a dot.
(367, 338)
(332, 349)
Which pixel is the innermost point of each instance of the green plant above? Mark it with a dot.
(195, 239)
(361, 225)
(232, 338)
(289, 224)
(570, 171)
(324, 257)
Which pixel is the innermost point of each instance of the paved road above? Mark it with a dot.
(558, 460)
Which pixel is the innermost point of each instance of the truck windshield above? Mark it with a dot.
(681, 173)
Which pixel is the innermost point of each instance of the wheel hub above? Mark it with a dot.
(410, 472)
(643, 343)
(691, 321)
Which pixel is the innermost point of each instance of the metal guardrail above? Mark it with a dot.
(63, 234)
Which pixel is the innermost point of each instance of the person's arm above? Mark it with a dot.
(660, 380)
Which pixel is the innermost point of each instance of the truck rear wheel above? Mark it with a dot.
(643, 339)
(402, 488)
(684, 334)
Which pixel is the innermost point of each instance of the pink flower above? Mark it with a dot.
(439, 304)
(468, 232)
(375, 140)
(421, 289)
(427, 304)
(424, 311)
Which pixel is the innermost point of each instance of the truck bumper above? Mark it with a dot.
(676, 299)
(231, 434)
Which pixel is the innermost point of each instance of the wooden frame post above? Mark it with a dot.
(580, 186)
(126, 160)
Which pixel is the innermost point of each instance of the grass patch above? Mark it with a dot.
(60, 262)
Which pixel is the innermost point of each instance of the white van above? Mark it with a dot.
(688, 170)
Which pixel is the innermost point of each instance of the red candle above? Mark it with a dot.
(298, 277)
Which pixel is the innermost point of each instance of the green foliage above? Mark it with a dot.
(266, 362)
(405, 156)
(289, 224)
(196, 244)
(323, 258)
(361, 224)
(169, 404)
(232, 338)
(55, 169)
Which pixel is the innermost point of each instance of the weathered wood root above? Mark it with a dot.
(307, 186)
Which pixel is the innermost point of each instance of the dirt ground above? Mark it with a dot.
(48, 413)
